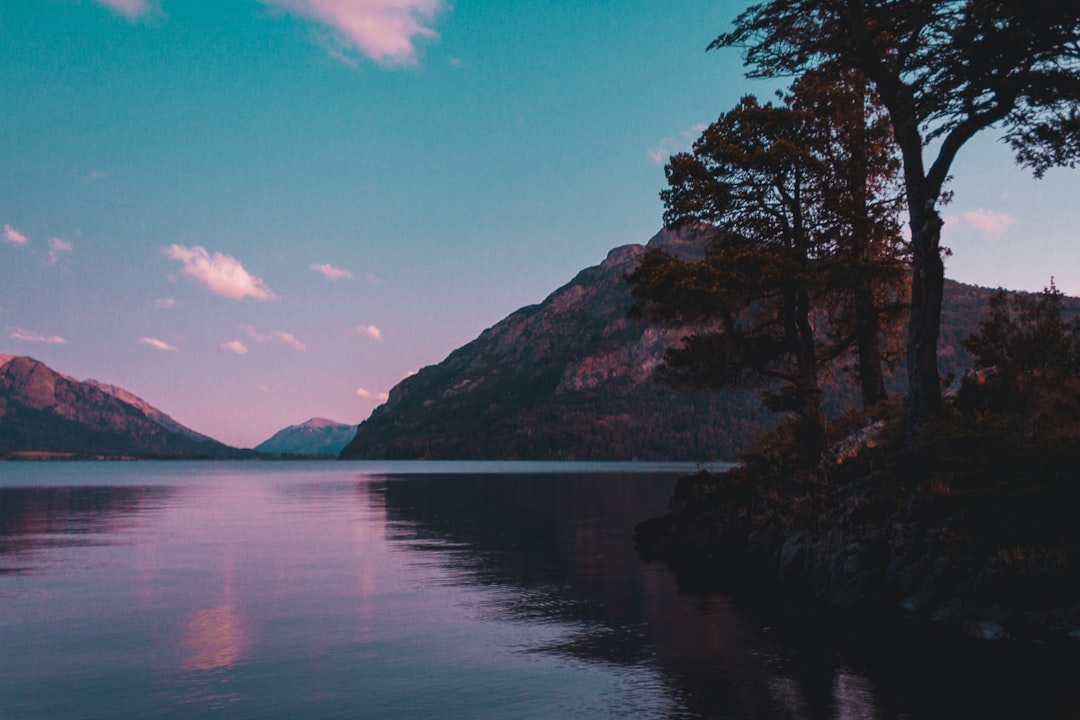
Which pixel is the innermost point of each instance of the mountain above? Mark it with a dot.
(317, 436)
(569, 378)
(572, 378)
(44, 413)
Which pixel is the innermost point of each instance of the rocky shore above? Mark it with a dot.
(861, 537)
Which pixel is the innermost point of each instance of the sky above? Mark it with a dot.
(255, 212)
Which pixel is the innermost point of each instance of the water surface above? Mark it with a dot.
(441, 590)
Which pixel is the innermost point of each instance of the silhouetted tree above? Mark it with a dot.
(945, 70)
(1026, 336)
(779, 186)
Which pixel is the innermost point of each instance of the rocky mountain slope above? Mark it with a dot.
(317, 436)
(572, 378)
(46, 413)
(569, 378)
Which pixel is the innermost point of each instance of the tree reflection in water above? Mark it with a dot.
(556, 549)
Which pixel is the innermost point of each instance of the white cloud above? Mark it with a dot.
(368, 395)
(234, 346)
(219, 273)
(668, 146)
(158, 344)
(276, 336)
(163, 303)
(97, 175)
(57, 246)
(13, 236)
(330, 272)
(130, 9)
(27, 336)
(369, 330)
(383, 30)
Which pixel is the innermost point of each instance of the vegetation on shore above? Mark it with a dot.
(955, 508)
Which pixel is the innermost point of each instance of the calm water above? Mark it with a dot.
(357, 590)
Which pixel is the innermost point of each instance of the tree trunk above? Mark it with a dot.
(867, 321)
(924, 322)
(867, 340)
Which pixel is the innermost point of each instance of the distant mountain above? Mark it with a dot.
(317, 436)
(44, 413)
(572, 378)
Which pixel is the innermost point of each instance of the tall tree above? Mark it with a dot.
(945, 70)
(778, 185)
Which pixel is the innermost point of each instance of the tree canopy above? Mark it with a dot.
(945, 70)
(803, 224)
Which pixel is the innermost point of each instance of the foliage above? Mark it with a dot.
(1027, 336)
(802, 199)
(945, 70)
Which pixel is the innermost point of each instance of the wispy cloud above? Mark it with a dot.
(27, 336)
(130, 9)
(368, 395)
(158, 344)
(385, 31)
(668, 146)
(276, 336)
(219, 273)
(986, 221)
(163, 303)
(97, 175)
(235, 346)
(369, 330)
(56, 247)
(13, 236)
(331, 272)
(372, 278)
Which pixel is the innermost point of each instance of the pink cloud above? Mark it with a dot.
(13, 236)
(130, 9)
(158, 344)
(163, 303)
(332, 273)
(368, 395)
(57, 246)
(986, 221)
(383, 30)
(369, 330)
(276, 336)
(219, 273)
(235, 346)
(26, 336)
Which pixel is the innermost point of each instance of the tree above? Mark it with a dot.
(1027, 336)
(945, 70)
(780, 185)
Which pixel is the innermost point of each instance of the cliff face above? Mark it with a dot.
(317, 436)
(43, 411)
(569, 378)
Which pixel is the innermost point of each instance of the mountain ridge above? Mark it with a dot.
(317, 436)
(45, 413)
(572, 377)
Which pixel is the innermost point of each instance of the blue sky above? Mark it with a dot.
(252, 212)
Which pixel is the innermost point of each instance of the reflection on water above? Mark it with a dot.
(213, 638)
(250, 590)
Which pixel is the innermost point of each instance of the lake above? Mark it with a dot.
(424, 590)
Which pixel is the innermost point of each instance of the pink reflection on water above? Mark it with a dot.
(214, 638)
